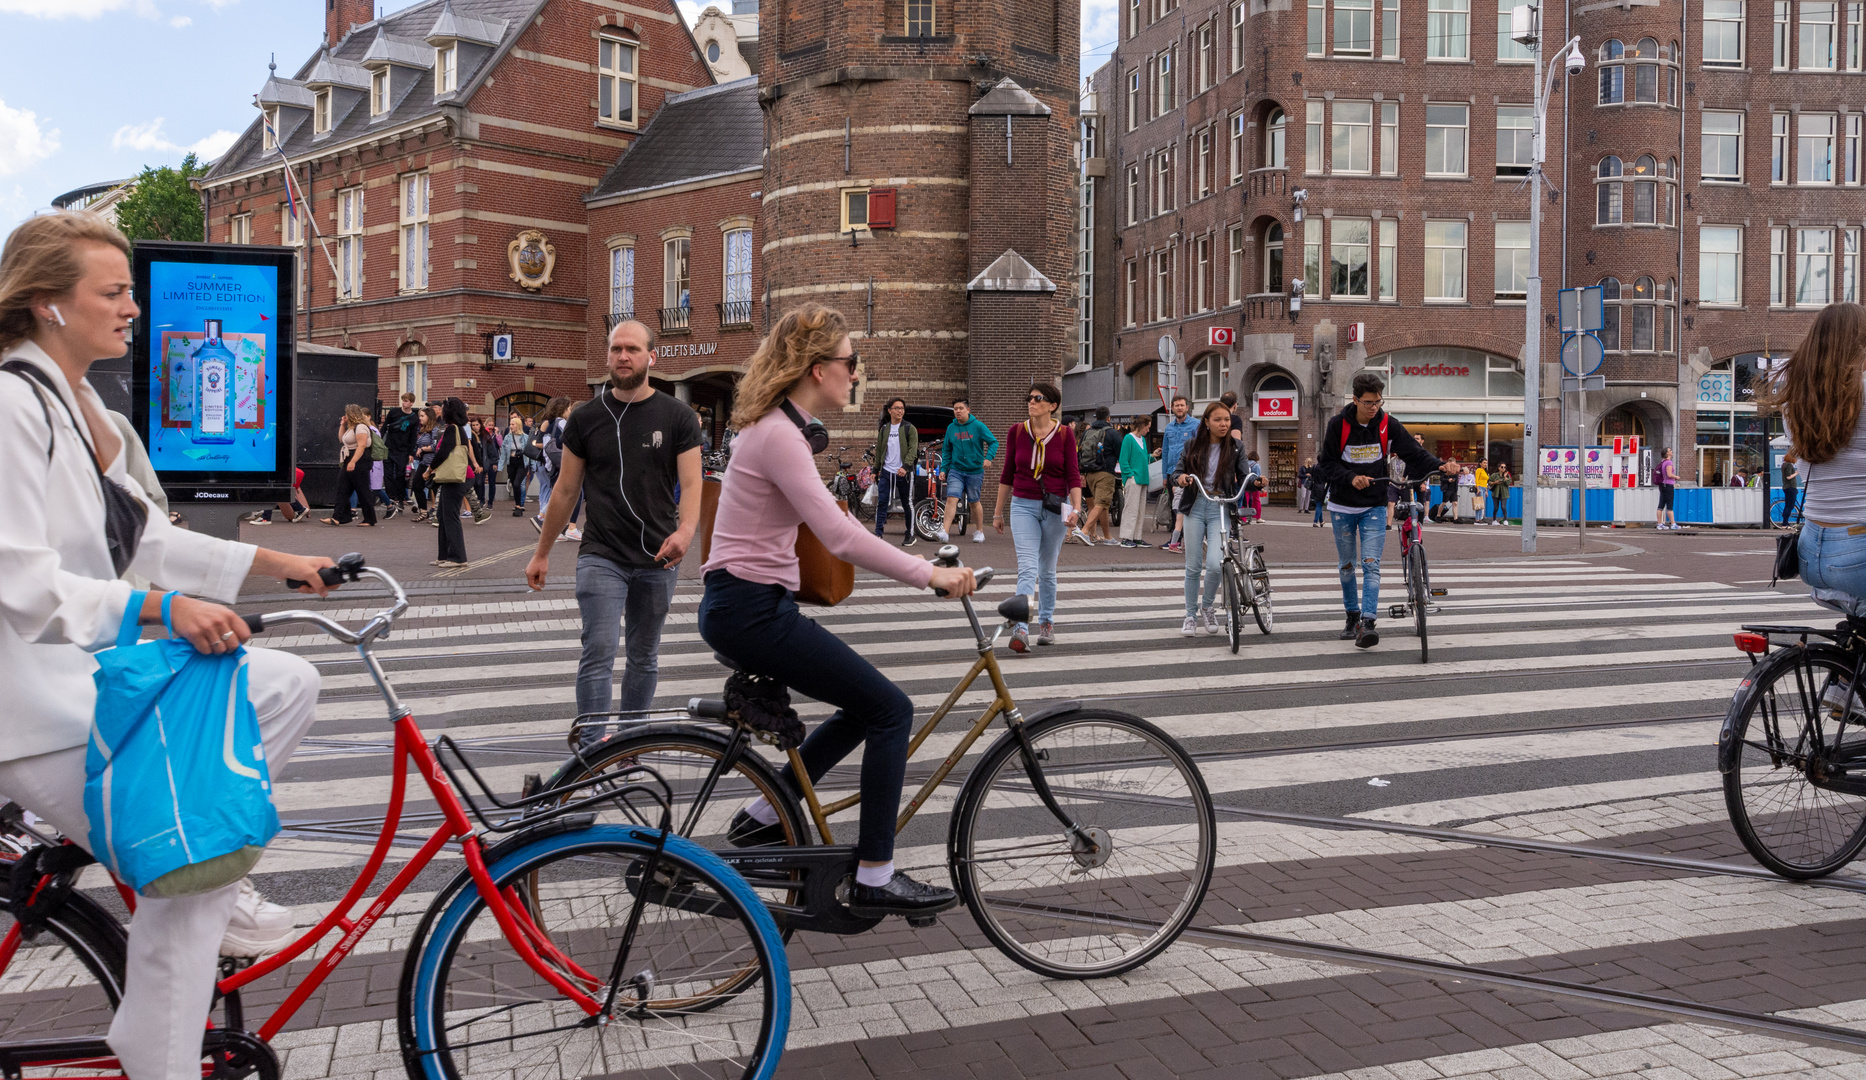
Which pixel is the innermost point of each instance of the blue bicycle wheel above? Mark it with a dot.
(700, 985)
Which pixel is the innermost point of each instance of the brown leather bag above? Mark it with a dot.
(823, 580)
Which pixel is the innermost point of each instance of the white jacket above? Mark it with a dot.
(60, 598)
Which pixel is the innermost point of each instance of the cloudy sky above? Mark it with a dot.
(93, 90)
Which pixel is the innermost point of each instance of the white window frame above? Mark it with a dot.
(846, 202)
(446, 68)
(417, 245)
(1849, 283)
(320, 112)
(1389, 138)
(1388, 279)
(1133, 99)
(1275, 260)
(1312, 281)
(1778, 266)
(919, 18)
(1815, 152)
(736, 266)
(1317, 44)
(268, 128)
(1723, 34)
(1856, 17)
(616, 79)
(1778, 148)
(1713, 146)
(414, 377)
(291, 234)
(1163, 84)
(1509, 50)
(1521, 128)
(1814, 265)
(1817, 39)
(1354, 27)
(1447, 30)
(1201, 299)
(1350, 240)
(622, 280)
(1448, 135)
(1720, 264)
(1510, 277)
(1205, 182)
(1276, 140)
(1351, 150)
(677, 272)
(1446, 244)
(1133, 194)
(1238, 15)
(1133, 293)
(349, 243)
(379, 91)
(1389, 29)
(240, 229)
(1239, 149)
(1234, 266)
(1782, 39)
(1208, 56)
(1312, 162)
(1163, 182)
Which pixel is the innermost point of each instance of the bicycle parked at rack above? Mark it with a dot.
(1792, 750)
(567, 949)
(1412, 511)
(1082, 840)
(852, 481)
(1245, 575)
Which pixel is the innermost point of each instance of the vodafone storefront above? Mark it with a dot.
(1461, 403)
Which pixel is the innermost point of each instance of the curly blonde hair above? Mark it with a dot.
(43, 258)
(803, 337)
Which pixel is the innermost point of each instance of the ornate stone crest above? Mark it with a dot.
(532, 259)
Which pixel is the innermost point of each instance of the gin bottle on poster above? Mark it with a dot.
(213, 381)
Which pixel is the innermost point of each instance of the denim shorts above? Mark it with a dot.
(964, 486)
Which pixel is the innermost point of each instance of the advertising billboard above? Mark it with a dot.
(211, 381)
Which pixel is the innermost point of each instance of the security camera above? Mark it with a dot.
(1577, 62)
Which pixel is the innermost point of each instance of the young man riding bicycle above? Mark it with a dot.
(1353, 465)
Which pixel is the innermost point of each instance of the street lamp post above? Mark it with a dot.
(1525, 26)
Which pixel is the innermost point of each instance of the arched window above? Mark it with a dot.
(1276, 131)
(1611, 49)
(1645, 191)
(1210, 376)
(1672, 54)
(1640, 310)
(1608, 185)
(1612, 73)
(1646, 76)
(1654, 76)
(1273, 258)
(1623, 421)
(1610, 314)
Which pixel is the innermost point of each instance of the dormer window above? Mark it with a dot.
(379, 91)
(447, 68)
(268, 128)
(615, 82)
(320, 112)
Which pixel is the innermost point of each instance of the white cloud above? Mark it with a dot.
(76, 9)
(1101, 28)
(687, 7)
(180, 21)
(23, 142)
(150, 136)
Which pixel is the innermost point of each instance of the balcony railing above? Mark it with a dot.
(1268, 182)
(735, 313)
(676, 320)
(1260, 306)
(610, 320)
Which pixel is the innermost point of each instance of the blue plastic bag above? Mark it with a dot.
(175, 779)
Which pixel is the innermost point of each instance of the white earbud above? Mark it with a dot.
(60, 319)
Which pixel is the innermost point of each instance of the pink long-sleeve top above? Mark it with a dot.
(772, 486)
(1060, 474)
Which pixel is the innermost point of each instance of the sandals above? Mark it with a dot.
(334, 521)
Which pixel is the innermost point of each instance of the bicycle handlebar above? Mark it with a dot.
(349, 568)
(1239, 497)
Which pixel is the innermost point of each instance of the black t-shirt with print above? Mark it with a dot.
(630, 452)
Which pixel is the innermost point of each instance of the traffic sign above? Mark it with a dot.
(1581, 354)
(1169, 370)
(1585, 382)
(1579, 310)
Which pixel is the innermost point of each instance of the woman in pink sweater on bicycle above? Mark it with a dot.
(807, 367)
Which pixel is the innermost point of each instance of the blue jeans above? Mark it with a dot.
(545, 482)
(759, 628)
(1369, 528)
(1834, 558)
(614, 601)
(1205, 551)
(1321, 502)
(1038, 538)
(964, 486)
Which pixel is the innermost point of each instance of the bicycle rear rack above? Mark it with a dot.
(627, 797)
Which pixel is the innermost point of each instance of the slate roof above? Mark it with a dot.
(704, 132)
(493, 24)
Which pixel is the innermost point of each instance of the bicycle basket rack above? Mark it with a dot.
(630, 789)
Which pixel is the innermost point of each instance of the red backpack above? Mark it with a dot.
(1345, 427)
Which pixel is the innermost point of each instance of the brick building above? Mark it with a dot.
(443, 153)
(1703, 169)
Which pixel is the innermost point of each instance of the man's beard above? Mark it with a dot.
(630, 383)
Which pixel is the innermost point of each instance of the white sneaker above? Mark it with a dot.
(978, 537)
(1210, 619)
(258, 927)
(941, 533)
(573, 533)
(1082, 537)
(1190, 626)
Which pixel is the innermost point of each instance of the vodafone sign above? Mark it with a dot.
(1274, 405)
(1454, 370)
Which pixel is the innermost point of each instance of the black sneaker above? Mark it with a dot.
(1369, 637)
(745, 831)
(1353, 628)
(902, 895)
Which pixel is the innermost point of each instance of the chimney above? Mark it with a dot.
(340, 15)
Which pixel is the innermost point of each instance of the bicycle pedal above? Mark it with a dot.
(1438, 592)
(1397, 611)
(921, 922)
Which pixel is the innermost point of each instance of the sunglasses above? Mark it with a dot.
(1039, 397)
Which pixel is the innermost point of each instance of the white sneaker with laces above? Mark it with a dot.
(1210, 619)
(258, 927)
(941, 533)
(1190, 626)
(978, 537)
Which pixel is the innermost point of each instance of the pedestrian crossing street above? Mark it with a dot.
(1573, 701)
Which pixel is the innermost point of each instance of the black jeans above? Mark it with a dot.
(759, 628)
(453, 538)
(516, 475)
(900, 490)
(395, 476)
(355, 481)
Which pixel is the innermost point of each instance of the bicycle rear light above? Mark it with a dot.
(1752, 643)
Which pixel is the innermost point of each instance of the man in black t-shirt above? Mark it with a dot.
(625, 451)
(400, 428)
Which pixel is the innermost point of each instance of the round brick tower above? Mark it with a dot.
(919, 176)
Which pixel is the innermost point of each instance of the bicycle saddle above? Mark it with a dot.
(1015, 609)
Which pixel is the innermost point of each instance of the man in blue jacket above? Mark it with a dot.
(1175, 433)
(968, 447)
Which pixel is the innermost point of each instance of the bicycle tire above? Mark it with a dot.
(1257, 574)
(1234, 614)
(473, 999)
(1034, 921)
(928, 517)
(1418, 588)
(1786, 822)
(73, 968)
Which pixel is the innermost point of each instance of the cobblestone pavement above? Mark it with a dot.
(1572, 701)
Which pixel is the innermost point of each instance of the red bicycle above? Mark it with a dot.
(566, 949)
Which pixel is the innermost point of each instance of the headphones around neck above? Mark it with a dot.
(813, 430)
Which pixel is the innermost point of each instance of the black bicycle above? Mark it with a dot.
(851, 481)
(1245, 575)
(1793, 748)
(1412, 511)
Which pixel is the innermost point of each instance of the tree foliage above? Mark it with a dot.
(164, 205)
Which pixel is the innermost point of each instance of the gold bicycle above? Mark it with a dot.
(1082, 839)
